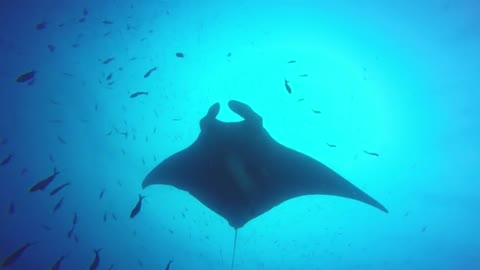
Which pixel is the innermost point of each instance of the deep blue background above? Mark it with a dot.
(400, 78)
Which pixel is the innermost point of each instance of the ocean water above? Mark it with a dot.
(386, 93)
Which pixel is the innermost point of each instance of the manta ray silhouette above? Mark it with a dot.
(240, 172)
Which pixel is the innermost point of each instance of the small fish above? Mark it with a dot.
(424, 228)
(316, 111)
(54, 102)
(180, 55)
(70, 232)
(41, 25)
(108, 60)
(27, 76)
(11, 208)
(105, 216)
(114, 217)
(58, 263)
(287, 86)
(46, 227)
(51, 158)
(229, 54)
(82, 20)
(111, 267)
(58, 205)
(149, 72)
(331, 145)
(6, 160)
(61, 140)
(51, 47)
(303, 75)
(168, 265)
(41, 185)
(55, 121)
(85, 12)
(75, 237)
(59, 188)
(136, 94)
(300, 99)
(15, 255)
(75, 218)
(107, 22)
(96, 260)
(24, 171)
(291, 62)
(100, 196)
(109, 77)
(371, 153)
(137, 207)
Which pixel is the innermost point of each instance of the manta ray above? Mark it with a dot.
(240, 172)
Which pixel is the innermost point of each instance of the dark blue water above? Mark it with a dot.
(399, 79)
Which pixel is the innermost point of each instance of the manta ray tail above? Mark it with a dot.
(234, 246)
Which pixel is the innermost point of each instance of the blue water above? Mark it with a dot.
(397, 78)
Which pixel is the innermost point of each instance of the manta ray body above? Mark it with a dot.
(240, 172)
